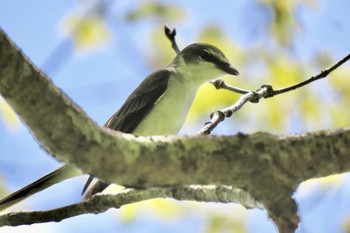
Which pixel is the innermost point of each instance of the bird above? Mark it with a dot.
(158, 106)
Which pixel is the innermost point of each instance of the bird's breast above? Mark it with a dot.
(169, 111)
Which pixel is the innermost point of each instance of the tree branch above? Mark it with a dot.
(220, 84)
(266, 91)
(322, 74)
(101, 203)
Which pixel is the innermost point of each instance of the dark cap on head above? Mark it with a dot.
(206, 52)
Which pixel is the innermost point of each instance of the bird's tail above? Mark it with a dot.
(58, 175)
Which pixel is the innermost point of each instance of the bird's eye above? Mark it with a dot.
(205, 55)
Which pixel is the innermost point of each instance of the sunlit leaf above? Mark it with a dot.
(3, 191)
(128, 213)
(209, 99)
(9, 116)
(285, 72)
(284, 23)
(160, 208)
(156, 9)
(333, 180)
(340, 91)
(86, 32)
(339, 80)
(345, 226)
(165, 208)
(221, 223)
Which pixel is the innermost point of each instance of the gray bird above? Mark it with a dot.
(158, 106)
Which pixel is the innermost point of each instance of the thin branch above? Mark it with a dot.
(170, 34)
(220, 84)
(266, 91)
(322, 74)
(219, 116)
(101, 203)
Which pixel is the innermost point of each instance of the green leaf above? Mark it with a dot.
(9, 116)
(156, 9)
(86, 32)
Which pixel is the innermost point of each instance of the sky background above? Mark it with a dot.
(100, 79)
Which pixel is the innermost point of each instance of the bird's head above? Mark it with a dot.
(203, 62)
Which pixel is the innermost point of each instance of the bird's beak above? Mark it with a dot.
(229, 69)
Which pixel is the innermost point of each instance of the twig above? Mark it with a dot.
(266, 91)
(101, 203)
(219, 116)
(220, 84)
(170, 34)
(323, 74)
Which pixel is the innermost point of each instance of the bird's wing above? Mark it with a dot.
(135, 108)
(140, 102)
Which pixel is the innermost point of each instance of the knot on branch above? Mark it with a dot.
(254, 97)
(266, 91)
(218, 83)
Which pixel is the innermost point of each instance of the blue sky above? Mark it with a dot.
(99, 81)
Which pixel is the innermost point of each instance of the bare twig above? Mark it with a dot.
(266, 91)
(220, 84)
(170, 34)
(322, 74)
(101, 203)
(219, 116)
